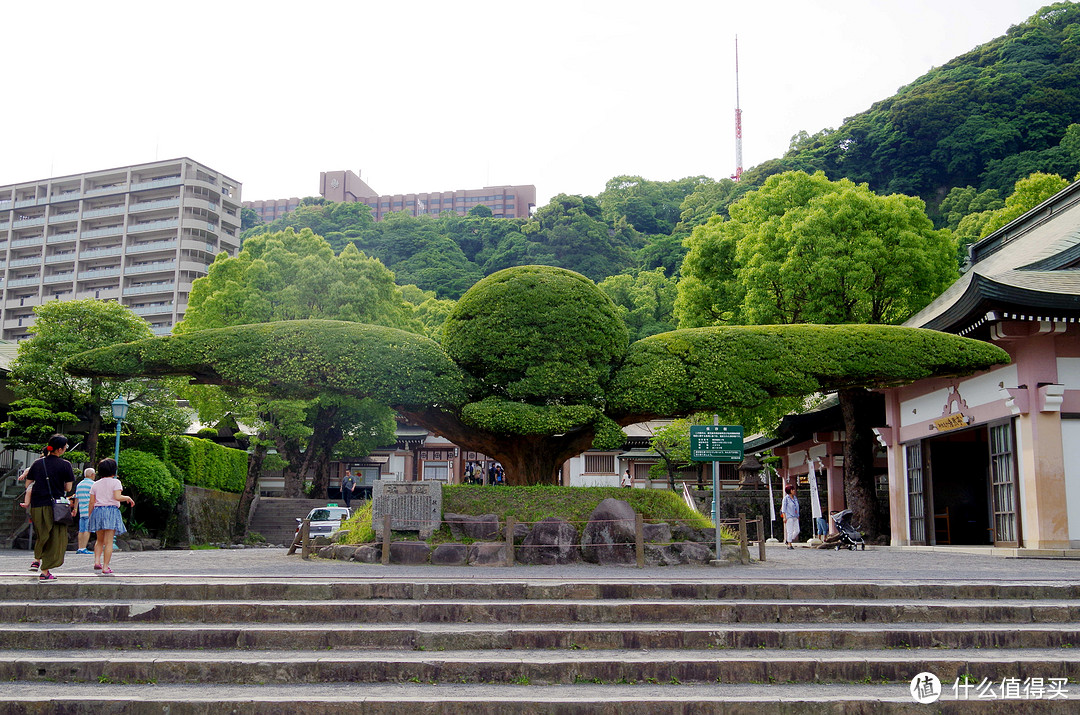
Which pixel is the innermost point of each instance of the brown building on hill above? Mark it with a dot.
(345, 186)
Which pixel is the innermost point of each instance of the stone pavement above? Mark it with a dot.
(875, 565)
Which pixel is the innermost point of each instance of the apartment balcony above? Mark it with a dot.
(199, 224)
(153, 226)
(98, 293)
(22, 203)
(31, 281)
(33, 241)
(145, 290)
(161, 329)
(151, 246)
(100, 252)
(155, 267)
(99, 273)
(61, 218)
(105, 211)
(25, 322)
(31, 261)
(24, 222)
(107, 231)
(153, 205)
(157, 183)
(102, 190)
(28, 301)
(59, 278)
(66, 196)
(164, 309)
(63, 237)
(60, 258)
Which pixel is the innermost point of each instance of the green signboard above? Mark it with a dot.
(716, 443)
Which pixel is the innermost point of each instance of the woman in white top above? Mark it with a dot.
(105, 498)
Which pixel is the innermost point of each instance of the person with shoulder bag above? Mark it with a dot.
(50, 480)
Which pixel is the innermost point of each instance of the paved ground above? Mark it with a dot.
(881, 564)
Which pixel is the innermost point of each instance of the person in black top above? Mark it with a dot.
(49, 478)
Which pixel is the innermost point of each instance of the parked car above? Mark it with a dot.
(325, 520)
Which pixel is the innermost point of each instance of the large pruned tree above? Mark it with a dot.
(65, 328)
(804, 249)
(535, 366)
(292, 275)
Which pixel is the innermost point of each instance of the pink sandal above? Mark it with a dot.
(97, 567)
(106, 571)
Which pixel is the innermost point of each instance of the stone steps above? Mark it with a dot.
(490, 645)
(452, 637)
(275, 517)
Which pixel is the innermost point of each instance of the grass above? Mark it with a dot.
(532, 504)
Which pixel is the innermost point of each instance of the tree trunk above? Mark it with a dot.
(324, 437)
(251, 483)
(294, 475)
(92, 431)
(526, 459)
(860, 444)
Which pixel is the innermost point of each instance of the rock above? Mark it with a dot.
(663, 555)
(479, 528)
(450, 555)
(488, 553)
(133, 545)
(608, 538)
(326, 552)
(344, 552)
(409, 553)
(656, 533)
(315, 541)
(551, 541)
(695, 552)
(521, 531)
(367, 554)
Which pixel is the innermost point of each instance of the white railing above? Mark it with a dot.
(98, 273)
(32, 261)
(60, 278)
(150, 205)
(151, 267)
(106, 211)
(62, 237)
(98, 252)
(152, 225)
(35, 241)
(151, 246)
(153, 309)
(107, 231)
(160, 288)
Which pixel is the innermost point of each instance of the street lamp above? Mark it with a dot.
(119, 413)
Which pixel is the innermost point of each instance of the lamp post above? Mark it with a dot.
(119, 413)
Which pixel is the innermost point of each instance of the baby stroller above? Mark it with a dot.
(849, 535)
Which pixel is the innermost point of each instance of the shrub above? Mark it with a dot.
(200, 462)
(207, 433)
(149, 479)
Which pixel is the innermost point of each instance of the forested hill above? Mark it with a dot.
(985, 119)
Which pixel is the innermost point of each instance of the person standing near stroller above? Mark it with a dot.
(789, 509)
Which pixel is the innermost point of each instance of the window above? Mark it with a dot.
(437, 471)
(916, 500)
(600, 464)
(1003, 483)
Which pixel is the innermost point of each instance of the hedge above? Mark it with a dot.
(203, 463)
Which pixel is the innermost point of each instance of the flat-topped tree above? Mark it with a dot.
(535, 366)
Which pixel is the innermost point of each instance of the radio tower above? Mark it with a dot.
(738, 118)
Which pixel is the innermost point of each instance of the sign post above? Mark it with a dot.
(716, 443)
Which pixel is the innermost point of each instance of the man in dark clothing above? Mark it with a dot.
(348, 485)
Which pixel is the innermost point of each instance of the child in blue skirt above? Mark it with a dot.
(105, 498)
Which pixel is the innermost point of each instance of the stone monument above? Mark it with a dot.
(412, 506)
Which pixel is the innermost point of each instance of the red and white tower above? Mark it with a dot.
(738, 118)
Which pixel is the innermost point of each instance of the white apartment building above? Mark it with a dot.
(137, 234)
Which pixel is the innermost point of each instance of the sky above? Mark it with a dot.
(432, 95)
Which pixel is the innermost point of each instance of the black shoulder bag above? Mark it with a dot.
(61, 510)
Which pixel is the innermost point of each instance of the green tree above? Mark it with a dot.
(645, 302)
(803, 249)
(30, 422)
(480, 211)
(578, 241)
(63, 329)
(289, 276)
(1027, 194)
(535, 367)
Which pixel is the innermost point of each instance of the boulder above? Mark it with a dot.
(663, 555)
(367, 554)
(695, 552)
(551, 541)
(520, 532)
(488, 553)
(608, 538)
(344, 552)
(409, 553)
(450, 555)
(478, 528)
(656, 533)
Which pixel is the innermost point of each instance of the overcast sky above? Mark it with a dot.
(435, 96)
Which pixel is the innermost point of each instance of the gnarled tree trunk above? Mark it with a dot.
(860, 444)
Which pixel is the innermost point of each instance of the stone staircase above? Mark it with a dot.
(275, 517)
(648, 645)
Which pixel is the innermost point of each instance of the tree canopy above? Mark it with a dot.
(583, 380)
(66, 328)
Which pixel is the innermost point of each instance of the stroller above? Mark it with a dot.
(849, 535)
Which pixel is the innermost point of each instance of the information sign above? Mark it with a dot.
(716, 443)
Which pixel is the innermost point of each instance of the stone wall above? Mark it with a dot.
(203, 516)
